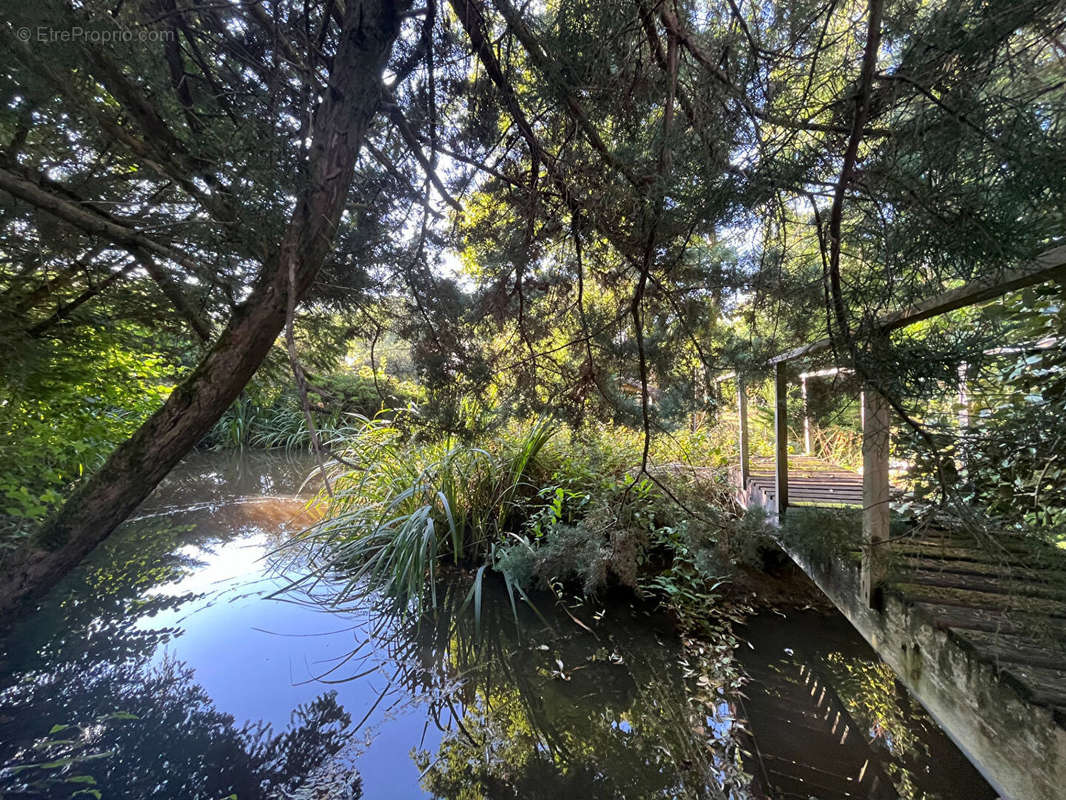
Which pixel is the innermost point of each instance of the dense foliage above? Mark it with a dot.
(545, 506)
(1011, 454)
(66, 410)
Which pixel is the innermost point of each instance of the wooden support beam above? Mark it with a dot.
(806, 417)
(1049, 265)
(964, 397)
(964, 414)
(743, 438)
(828, 372)
(875, 511)
(780, 440)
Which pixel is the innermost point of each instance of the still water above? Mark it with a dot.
(174, 664)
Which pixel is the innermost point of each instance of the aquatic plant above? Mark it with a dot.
(401, 510)
(541, 504)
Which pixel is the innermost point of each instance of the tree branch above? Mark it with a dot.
(395, 114)
(97, 223)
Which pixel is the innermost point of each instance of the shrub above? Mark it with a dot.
(571, 553)
(267, 417)
(359, 393)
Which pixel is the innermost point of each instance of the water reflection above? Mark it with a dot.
(94, 700)
(160, 668)
(543, 708)
(154, 732)
(217, 478)
(826, 718)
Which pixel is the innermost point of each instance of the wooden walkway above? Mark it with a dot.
(1003, 602)
(976, 630)
(810, 482)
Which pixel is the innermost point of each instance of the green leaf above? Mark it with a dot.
(121, 715)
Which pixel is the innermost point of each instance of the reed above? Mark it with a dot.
(402, 511)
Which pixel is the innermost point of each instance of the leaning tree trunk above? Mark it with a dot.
(104, 500)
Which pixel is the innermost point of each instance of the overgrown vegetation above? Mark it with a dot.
(68, 405)
(270, 415)
(1012, 455)
(492, 264)
(594, 219)
(544, 505)
(64, 410)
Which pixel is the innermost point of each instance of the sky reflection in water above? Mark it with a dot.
(168, 624)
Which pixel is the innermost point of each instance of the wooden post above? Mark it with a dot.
(742, 413)
(875, 513)
(964, 397)
(961, 443)
(806, 417)
(780, 439)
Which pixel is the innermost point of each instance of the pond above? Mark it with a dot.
(174, 663)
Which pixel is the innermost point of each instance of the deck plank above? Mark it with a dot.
(948, 617)
(811, 482)
(972, 598)
(1007, 648)
(1016, 586)
(947, 552)
(983, 568)
(1045, 685)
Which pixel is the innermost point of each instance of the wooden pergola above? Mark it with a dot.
(965, 629)
(876, 419)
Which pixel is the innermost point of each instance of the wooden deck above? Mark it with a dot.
(1003, 602)
(810, 482)
(976, 630)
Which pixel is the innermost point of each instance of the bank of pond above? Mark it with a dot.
(178, 661)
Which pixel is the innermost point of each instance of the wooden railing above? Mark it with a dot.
(876, 419)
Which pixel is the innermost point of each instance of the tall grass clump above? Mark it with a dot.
(402, 510)
(543, 505)
(268, 417)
